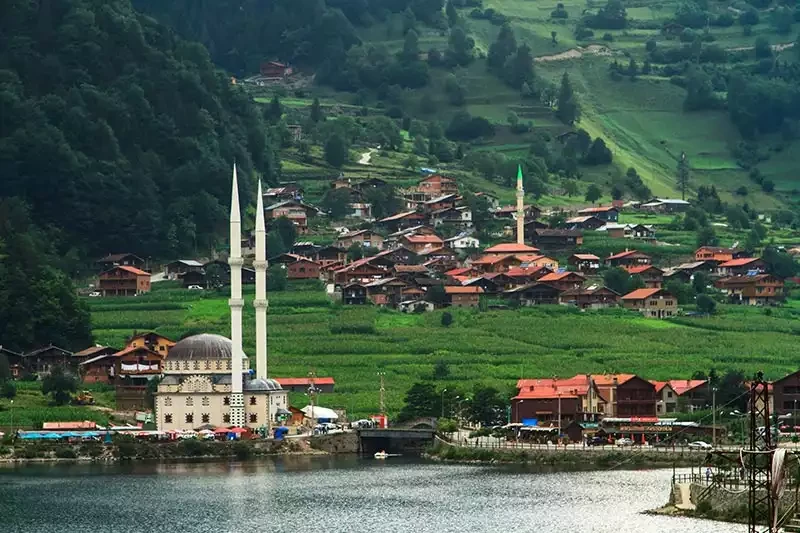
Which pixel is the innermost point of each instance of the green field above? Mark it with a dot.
(353, 344)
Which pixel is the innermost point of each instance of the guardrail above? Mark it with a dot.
(498, 443)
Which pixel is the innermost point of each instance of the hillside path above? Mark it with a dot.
(780, 47)
(366, 157)
(577, 53)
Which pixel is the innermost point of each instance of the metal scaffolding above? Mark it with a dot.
(758, 460)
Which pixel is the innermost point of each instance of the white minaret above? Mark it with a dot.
(260, 302)
(236, 303)
(520, 208)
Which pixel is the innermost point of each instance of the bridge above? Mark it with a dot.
(407, 441)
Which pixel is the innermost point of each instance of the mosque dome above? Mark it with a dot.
(256, 385)
(201, 347)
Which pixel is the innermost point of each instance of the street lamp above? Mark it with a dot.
(443, 391)
(458, 411)
(12, 419)
(714, 417)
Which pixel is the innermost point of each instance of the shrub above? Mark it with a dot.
(66, 453)
(608, 37)
(447, 319)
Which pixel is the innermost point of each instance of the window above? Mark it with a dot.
(791, 389)
(253, 400)
(669, 394)
(205, 401)
(168, 401)
(161, 348)
(205, 417)
(196, 365)
(226, 400)
(207, 364)
(186, 365)
(189, 418)
(253, 418)
(228, 364)
(189, 401)
(168, 418)
(226, 419)
(219, 365)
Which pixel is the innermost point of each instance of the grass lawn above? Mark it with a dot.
(352, 344)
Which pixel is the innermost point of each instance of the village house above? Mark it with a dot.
(587, 222)
(153, 341)
(563, 280)
(462, 241)
(523, 276)
(288, 191)
(446, 201)
(628, 258)
(321, 384)
(640, 231)
(652, 303)
(110, 261)
(44, 360)
(665, 205)
(717, 255)
(15, 362)
(495, 263)
(627, 395)
(694, 267)
(123, 281)
(386, 292)
(463, 296)
(359, 270)
(653, 277)
(614, 230)
(370, 183)
(673, 273)
(437, 185)
(508, 248)
(758, 289)
(555, 239)
(402, 220)
(297, 266)
(693, 394)
(133, 368)
(410, 272)
(534, 293)
(786, 395)
(296, 211)
(591, 297)
(667, 398)
(547, 402)
(92, 352)
(741, 266)
(509, 212)
(586, 263)
(176, 269)
(457, 217)
(275, 70)
(420, 243)
(607, 213)
(360, 211)
(354, 294)
(492, 201)
(329, 254)
(365, 237)
(537, 260)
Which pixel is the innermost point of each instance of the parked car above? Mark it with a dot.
(362, 424)
(95, 294)
(700, 445)
(597, 441)
(195, 288)
(624, 442)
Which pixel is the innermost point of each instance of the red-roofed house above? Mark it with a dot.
(694, 394)
(741, 266)
(627, 395)
(575, 399)
(321, 384)
(584, 262)
(511, 248)
(628, 258)
(437, 185)
(526, 275)
(608, 213)
(667, 398)
(652, 303)
(653, 277)
(463, 296)
(496, 263)
(594, 297)
(563, 280)
(761, 289)
(529, 261)
(418, 243)
(124, 281)
(534, 293)
(717, 254)
(366, 238)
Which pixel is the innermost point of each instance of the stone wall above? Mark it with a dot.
(336, 443)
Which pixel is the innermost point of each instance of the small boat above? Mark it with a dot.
(381, 455)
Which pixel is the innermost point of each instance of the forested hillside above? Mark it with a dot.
(117, 134)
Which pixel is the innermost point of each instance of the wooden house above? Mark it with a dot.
(295, 210)
(15, 362)
(152, 341)
(386, 292)
(437, 185)
(420, 243)
(759, 289)
(586, 263)
(354, 294)
(123, 281)
(652, 276)
(178, 268)
(523, 276)
(607, 213)
(534, 293)
(508, 248)
(458, 296)
(741, 266)
(495, 263)
(366, 238)
(405, 219)
(288, 191)
(330, 253)
(592, 297)
(628, 258)
(275, 70)
(563, 280)
(43, 360)
(555, 239)
(126, 259)
(360, 270)
(652, 303)
(717, 254)
(587, 222)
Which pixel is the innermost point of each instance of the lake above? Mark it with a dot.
(348, 495)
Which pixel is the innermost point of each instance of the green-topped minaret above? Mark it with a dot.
(520, 208)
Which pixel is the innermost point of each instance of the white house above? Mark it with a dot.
(463, 241)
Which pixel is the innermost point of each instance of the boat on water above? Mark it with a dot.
(381, 455)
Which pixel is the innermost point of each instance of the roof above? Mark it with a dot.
(579, 220)
(492, 259)
(641, 294)
(690, 266)
(117, 257)
(681, 386)
(718, 249)
(450, 289)
(521, 271)
(132, 270)
(442, 198)
(659, 385)
(398, 216)
(354, 234)
(319, 412)
(45, 349)
(638, 269)
(423, 239)
(557, 276)
(606, 380)
(586, 257)
(132, 349)
(187, 262)
(552, 388)
(92, 350)
(739, 262)
(289, 382)
(510, 248)
(601, 209)
(588, 290)
(658, 201)
(410, 268)
(558, 232)
(458, 271)
(626, 253)
(290, 202)
(744, 280)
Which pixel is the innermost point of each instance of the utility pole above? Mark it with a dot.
(383, 393)
(559, 414)
(311, 391)
(714, 417)
(443, 391)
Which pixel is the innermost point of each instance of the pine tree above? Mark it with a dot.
(316, 111)
(502, 48)
(452, 14)
(275, 110)
(411, 46)
(683, 174)
(519, 68)
(568, 111)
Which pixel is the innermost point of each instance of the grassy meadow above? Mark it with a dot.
(353, 344)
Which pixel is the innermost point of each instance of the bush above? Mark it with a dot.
(447, 319)
(446, 425)
(66, 453)
(608, 37)
(241, 450)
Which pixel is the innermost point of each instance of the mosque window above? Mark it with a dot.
(208, 365)
(205, 417)
(253, 400)
(189, 418)
(189, 401)
(168, 401)
(196, 365)
(168, 418)
(226, 400)
(204, 401)
(253, 418)
(226, 419)
(219, 365)
(186, 365)
(228, 364)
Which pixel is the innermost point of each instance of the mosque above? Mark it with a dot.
(207, 378)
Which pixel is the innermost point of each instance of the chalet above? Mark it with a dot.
(587, 222)
(198, 278)
(557, 238)
(523, 276)
(628, 395)
(43, 360)
(607, 213)
(153, 341)
(665, 205)
(741, 266)
(486, 283)
(133, 369)
(718, 255)
(537, 260)
(409, 272)
(399, 255)
(320, 384)
(178, 268)
(628, 258)
(673, 273)
(15, 362)
(534, 293)
(123, 281)
(302, 268)
(330, 253)
(296, 211)
(354, 294)
(667, 398)
(462, 242)
(289, 191)
(110, 261)
(509, 212)
(405, 219)
(370, 183)
(652, 303)
(366, 238)
(501, 280)
(614, 230)
(386, 291)
(463, 296)
(459, 217)
(694, 267)
(563, 280)
(549, 401)
(653, 277)
(457, 276)
(531, 226)
(586, 263)
(360, 270)
(437, 185)
(694, 394)
(758, 289)
(491, 199)
(786, 394)
(93, 351)
(592, 297)
(420, 243)
(495, 263)
(98, 369)
(275, 70)
(446, 201)
(639, 231)
(510, 248)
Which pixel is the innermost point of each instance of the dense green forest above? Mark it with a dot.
(116, 133)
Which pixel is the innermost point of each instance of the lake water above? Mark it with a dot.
(313, 494)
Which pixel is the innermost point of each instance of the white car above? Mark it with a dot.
(624, 442)
(195, 288)
(700, 445)
(95, 294)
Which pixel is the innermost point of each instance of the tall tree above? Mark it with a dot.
(316, 111)
(519, 69)
(501, 48)
(683, 174)
(336, 151)
(59, 384)
(461, 51)
(421, 400)
(411, 46)
(452, 14)
(568, 110)
(593, 193)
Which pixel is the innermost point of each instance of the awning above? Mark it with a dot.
(319, 413)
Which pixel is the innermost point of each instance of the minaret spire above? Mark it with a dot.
(260, 301)
(236, 303)
(520, 207)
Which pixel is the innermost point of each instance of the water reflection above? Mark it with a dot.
(349, 495)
